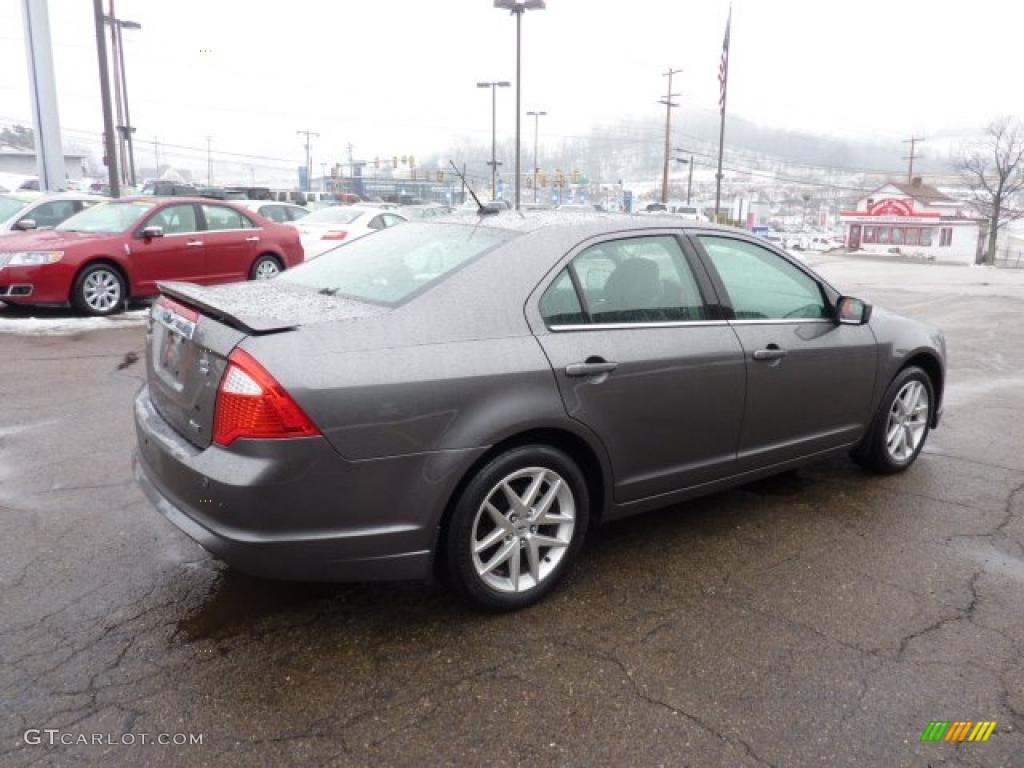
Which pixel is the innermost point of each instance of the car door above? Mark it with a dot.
(232, 243)
(644, 359)
(809, 379)
(177, 255)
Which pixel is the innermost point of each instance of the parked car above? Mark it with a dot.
(167, 188)
(326, 228)
(424, 211)
(473, 395)
(117, 250)
(282, 213)
(22, 211)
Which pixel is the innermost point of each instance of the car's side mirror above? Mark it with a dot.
(851, 311)
(150, 232)
(26, 224)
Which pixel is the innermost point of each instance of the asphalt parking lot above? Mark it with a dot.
(821, 618)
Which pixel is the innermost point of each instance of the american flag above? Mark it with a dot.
(723, 66)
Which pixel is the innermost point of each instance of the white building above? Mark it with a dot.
(913, 220)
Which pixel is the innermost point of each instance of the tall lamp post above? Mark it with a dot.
(689, 178)
(517, 8)
(494, 85)
(536, 119)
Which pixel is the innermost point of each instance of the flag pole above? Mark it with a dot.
(723, 77)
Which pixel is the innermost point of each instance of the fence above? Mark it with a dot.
(1011, 259)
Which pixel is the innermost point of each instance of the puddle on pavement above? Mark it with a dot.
(236, 601)
(995, 561)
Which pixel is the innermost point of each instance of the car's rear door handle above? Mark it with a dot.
(252, 239)
(771, 352)
(193, 243)
(590, 368)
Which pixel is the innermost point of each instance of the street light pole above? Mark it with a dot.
(108, 118)
(536, 120)
(518, 8)
(493, 85)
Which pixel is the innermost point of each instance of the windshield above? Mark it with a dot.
(107, 217)
(395, 263)
(333, 215)
(10, 206)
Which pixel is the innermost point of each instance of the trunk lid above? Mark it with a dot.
(193, 329)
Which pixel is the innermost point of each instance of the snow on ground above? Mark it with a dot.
(63, 322)
(857, 275)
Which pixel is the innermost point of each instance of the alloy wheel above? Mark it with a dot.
(523, 529)
(267, 269)
(101, 290)
(907, 422)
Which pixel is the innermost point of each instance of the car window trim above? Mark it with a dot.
(711, 309)
(824, 288)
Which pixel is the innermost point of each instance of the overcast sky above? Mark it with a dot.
(398, 76)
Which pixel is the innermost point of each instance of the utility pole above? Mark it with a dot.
(309, 157)
(209, 162)
(669, 106)
(536, 120)
(912, 141)
(108, 118)
(156, 154)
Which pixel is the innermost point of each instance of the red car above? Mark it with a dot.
(99, 258)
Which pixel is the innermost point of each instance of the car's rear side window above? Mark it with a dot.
(560, 305)
(630, 280)
(396, 263)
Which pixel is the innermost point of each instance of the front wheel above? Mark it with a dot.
(901, 425)
(517, 527)
(98, 290)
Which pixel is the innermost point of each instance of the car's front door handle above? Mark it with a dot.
(590, 368)
(193, 243)
(771, 352)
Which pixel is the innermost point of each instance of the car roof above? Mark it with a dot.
(586, 222)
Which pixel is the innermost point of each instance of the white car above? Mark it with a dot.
(328, 227)
(282, 213)
(21, 211)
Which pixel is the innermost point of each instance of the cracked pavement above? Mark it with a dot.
(822, 617)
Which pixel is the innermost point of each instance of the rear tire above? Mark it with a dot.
(265, 267)
(517, 528)
(901, 425)
(99, 290)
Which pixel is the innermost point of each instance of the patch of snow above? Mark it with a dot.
(64, 322)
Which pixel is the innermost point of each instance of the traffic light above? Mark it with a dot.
(376, 163)
(412, 161)
(394, 161)
(542, 179)
(405, 159)
(575, 177)
(440, 175)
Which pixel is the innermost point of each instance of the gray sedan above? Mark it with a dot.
(466, 397)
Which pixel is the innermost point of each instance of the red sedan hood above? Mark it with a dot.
(52, 240)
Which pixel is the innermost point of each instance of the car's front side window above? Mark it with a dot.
(762, 285)
(638, 280)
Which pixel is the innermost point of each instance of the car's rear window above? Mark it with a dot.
(390, 266)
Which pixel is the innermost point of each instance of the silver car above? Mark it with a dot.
(21, 211)
(467, 397)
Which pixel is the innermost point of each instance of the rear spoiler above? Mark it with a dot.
(191, 294)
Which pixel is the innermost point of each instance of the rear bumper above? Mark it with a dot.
(295, 509)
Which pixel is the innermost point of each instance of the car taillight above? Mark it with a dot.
(250, 403)
(335, 234)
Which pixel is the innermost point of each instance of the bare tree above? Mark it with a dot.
(993, 169)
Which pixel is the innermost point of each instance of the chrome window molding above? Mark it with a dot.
(630, 326)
